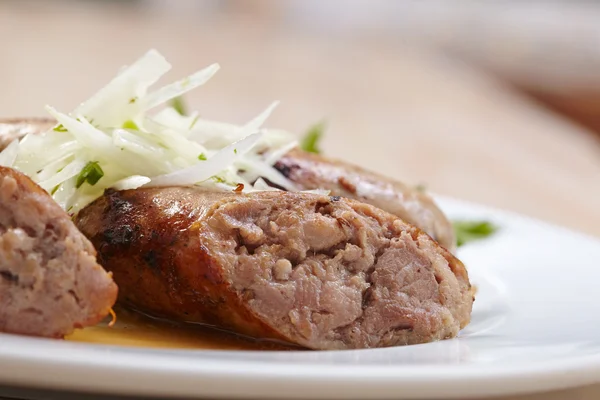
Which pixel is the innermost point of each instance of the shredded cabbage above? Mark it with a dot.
(9, 155)
(132, 143)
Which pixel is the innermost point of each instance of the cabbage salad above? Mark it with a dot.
(128, 136)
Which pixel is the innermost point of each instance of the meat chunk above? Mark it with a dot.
(318, 271)
(310, 171)
(50, 282)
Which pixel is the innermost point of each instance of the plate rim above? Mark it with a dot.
(251, 377)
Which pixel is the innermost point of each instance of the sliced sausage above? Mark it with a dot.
(50, 282)
(318, 271)
(311, 171)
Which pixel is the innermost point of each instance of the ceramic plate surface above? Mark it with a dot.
(535, 326)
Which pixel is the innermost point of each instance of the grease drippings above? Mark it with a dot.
(133, 329)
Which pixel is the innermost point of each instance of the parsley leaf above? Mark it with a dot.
(468, 231)
(129, 124)
(218, 179)
(310, 141)
(179, 106)
(202, 157)
(91, 174)
(59, 128)
(194, 122)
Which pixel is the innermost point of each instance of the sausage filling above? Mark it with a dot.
(50, 282)
(331, 274)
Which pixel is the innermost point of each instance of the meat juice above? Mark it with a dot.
(133, 329)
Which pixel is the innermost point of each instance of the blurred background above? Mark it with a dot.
(493, 102)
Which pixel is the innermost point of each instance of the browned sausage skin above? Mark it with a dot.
(50, 282)
(322, 272)
(311, 171)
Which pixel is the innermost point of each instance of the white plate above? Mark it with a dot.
(536, 326)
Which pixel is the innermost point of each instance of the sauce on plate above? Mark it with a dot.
(133, 329)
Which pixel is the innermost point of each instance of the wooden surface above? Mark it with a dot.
(398, 110)
(548, 50)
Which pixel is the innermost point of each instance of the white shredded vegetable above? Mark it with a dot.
(121, 139)
(202, 171)
(9, 155)
(260, 184)
(131, 182)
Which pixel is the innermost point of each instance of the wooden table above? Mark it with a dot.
(412, 115)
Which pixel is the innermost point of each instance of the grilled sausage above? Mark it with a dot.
(318, 271)
(311, 171)
(50, 282)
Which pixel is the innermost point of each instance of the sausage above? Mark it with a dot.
(318, 271)
(311, 171)
(50, 282)
(16, 128)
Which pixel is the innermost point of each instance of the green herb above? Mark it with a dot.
(194, 122)
(468, 231)
(234, 151)
(202, 157)
(310, 141)
(133, 100)
(59, 128)
(54, 189)
(179, 106)
(91, 174)
(129, 124)
(218, 179)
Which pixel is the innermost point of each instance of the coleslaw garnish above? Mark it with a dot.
(127, 136)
